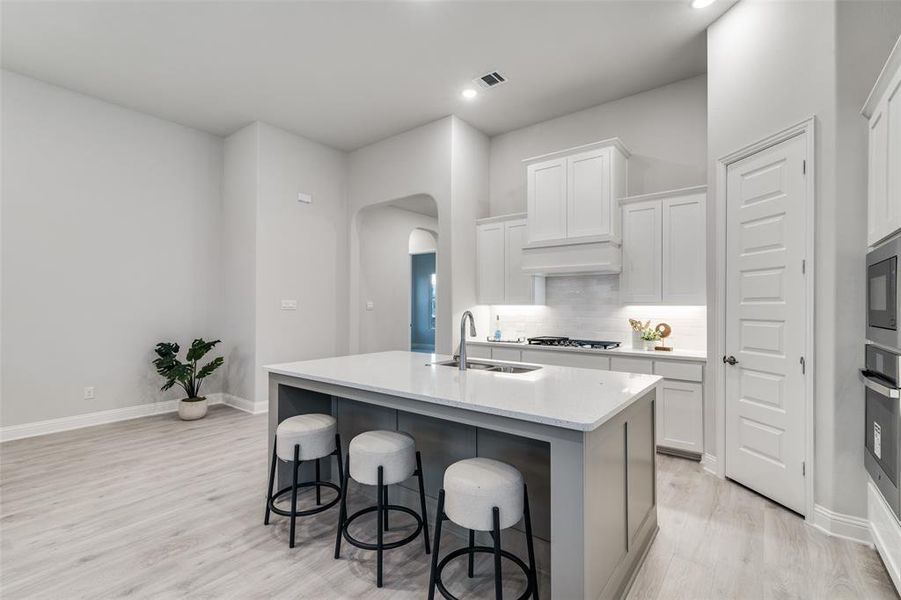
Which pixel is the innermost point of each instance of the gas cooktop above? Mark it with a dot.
(548, 340)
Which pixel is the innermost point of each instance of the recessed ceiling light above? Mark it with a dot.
(470, 93)
(701, 3)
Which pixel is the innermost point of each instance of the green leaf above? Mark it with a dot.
(211, 366)
(199, 348)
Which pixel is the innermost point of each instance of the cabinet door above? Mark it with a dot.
(588, 202)
(641, 279)
(490, 258)
(477, 351)
(566, 359)
(877, 176)
(511, 354)
(627, 364)
(684, 245)
(518, 286)
(893, 158)
(546, 196)
(679, 416)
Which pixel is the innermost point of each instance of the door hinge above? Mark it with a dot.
(803, 366)
(804, 167)
(804, 469)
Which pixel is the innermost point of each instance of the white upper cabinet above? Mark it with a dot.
(588, 194)
(883, 109)
(684, 249)
(641, 279)
(573, 216)
(546, 190)
(664, 247)
(501, 279)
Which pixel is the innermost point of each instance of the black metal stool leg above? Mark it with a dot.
(318, 478)
(439, 516)
(425, 520)
(342, 512)
(380, 536)
(385, 504)
(533, 570)
(296, 466)
(472, 542)
(271, 481)
(496, 533)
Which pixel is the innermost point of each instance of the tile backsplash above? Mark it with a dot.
(589, 307)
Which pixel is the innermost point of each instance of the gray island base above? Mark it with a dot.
(583, 439)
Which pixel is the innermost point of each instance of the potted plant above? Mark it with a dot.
(650, 336)
(637, 328)
(186, 374)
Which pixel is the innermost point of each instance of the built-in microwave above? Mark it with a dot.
(882, 294)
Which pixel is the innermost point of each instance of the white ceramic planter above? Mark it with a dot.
(637, 342)
(191, 410)
(650, 345)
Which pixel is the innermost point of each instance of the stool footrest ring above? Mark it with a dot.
(386, 545)
(439, 585)
(311, 511)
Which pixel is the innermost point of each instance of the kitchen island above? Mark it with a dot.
(583, 439)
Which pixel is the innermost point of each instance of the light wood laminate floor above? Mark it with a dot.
(160, 508)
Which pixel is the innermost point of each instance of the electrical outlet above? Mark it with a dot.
(289, 304)
(370, 305)
(305, 198)
(89, 392)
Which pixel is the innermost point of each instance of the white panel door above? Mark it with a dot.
(765, 322)
(893, 159)
(684, 250)
(490, 255)
(588, 201)
(546, 196)
(518, 284)
(877, 176)
(641, 277)
(680, 418)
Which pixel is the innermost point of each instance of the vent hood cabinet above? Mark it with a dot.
(573, 209)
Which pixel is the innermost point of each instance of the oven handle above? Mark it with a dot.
(879, 387)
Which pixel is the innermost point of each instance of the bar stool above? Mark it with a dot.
(297, 440)
(481, 494)
(381, 458)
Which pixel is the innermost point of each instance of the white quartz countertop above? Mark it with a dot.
(674, 354)
(567, 397)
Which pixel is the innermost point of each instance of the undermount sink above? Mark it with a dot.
(492, 367)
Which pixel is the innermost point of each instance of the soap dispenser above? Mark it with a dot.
(497, 329)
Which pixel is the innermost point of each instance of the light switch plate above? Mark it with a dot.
(89, 392)
(305, 198)
(370, 305)
(289, 304)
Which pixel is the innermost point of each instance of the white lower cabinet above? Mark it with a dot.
(511, 354)
(628, 364)
(566, 359)
(679, 416)
(473, 351)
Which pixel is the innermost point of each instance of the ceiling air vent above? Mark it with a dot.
(490, 80)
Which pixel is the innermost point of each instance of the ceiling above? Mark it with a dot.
(350, 73)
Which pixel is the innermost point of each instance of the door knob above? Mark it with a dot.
(729, 360)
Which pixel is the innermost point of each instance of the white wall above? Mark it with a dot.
(409, 164)
(110, 243)
(385, 275)
(292, 250)
(771, 65)
(239, 236)
(423, 241)
(665, 128)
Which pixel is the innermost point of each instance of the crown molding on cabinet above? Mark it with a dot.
(615, 142)
(891, 66)
(697, 189)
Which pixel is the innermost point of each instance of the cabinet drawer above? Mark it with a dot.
(566, 359)
(674, 369)
(478, 351)
(631, 365)
(511, 354)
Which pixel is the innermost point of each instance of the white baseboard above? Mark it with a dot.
(254, 408)
(856, 529)
(102, 417)
(708, 462)
(886, 533)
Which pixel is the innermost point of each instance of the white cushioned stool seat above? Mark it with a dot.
(315, 433)
(473, 487)
(394, 451)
